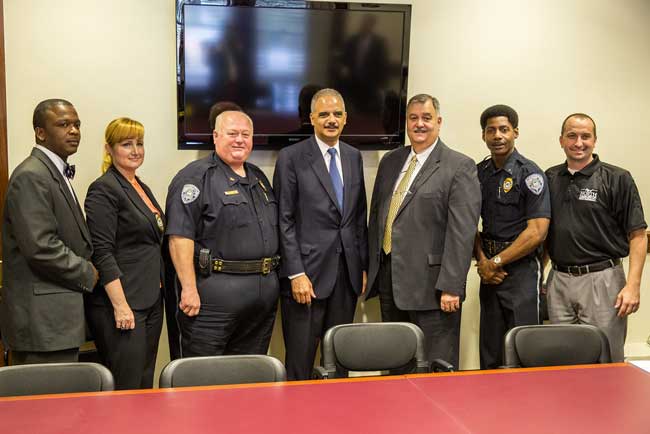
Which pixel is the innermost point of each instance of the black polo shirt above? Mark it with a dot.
(511, 196)
(593, 211)
(233, 216)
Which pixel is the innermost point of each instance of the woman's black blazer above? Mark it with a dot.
(126, 240)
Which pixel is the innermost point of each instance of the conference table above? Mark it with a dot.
(613, 398)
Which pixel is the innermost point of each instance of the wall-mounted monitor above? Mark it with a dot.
(270, 57)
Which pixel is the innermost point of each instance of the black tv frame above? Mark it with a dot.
(276, 142)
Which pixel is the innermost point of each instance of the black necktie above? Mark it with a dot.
(69, 171)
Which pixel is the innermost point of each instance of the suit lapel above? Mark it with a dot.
(346, 164)
(137, 201)
(431, 164)
(73, 202)
(318, 165)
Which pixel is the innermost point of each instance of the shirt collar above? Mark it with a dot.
(58, 161)
(509, 164)
(588, 170)
(324, 146)
(422, 156)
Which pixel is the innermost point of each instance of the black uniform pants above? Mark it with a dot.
(303, 326)
(32, 357)
(441, 329)
(514, 302)
(130, 355)
(236, 316)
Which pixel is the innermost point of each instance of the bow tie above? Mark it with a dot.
(69, 171)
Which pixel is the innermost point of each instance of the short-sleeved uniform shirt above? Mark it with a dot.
(594, 210)
(233, 216)
(511, 196)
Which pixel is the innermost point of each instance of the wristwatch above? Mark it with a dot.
(496, 259)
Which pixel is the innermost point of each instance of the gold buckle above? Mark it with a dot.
(217, 265)
(266, 265)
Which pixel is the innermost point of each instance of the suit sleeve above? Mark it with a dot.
(464, 207)
(102, 207)
(362, 220)
(286, 189)
(31, 210)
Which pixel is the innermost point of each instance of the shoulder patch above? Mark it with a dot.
(535, 183)
(189, 193)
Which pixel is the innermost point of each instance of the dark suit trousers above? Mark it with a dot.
(303, 326)
(130, 355)
(441, 329)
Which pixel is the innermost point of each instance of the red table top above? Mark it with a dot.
(592, 398)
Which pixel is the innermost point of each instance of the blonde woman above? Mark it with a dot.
(127, 225)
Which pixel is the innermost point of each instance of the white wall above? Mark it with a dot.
(546, 58)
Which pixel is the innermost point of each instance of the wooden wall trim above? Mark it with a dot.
(4, 161)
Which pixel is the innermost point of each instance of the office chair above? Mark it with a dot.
(374, 347)
(555, 344)
(49, 378)
(216, 370)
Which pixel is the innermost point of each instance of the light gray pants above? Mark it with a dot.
(590, 299)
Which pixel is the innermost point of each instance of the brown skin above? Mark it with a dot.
(61, 133)
(499, 136)
(328, 119)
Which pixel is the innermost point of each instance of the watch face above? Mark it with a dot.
(496, 259)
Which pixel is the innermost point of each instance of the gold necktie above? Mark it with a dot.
(395, 202)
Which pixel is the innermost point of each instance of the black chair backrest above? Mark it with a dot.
(373, 347)
(49, 378)
(216, 370)
(555, 345)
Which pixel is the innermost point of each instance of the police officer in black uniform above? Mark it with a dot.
(223, 241)
(516, 212)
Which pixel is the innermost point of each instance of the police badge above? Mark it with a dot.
(190, 193)
(535, 183)
(507, 185)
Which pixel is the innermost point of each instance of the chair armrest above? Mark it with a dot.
(320, 373)
(439, 365)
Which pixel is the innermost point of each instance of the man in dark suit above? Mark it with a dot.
(323, 233)
(424, 211)
(46, 246)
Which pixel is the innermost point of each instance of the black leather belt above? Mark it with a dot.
(493, 247)
(257, 266)
(579, 270)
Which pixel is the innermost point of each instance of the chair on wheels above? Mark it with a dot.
(374, 347)
(49, 378)
(217, 370)
(554, 345)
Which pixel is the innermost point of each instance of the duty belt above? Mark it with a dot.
(578, 270)
(257, 266)
(493, 247)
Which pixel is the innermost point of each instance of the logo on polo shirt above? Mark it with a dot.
(588, 194)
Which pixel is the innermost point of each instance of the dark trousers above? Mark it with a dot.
(236, 316)
(70, 355)
(514, 302)
(441, 329)
(130, 355)
(303, 326)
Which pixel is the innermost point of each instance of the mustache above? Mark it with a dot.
(331, 125)
(420, 130)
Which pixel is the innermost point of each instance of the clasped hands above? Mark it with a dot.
(490, 273)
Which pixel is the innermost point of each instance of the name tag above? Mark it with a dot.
(231, 192)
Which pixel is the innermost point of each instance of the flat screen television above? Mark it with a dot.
(270, 57)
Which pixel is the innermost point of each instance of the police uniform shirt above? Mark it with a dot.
(511, 196)
(594, 210)
(235, 217)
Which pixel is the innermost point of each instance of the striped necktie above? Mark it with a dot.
(395, 202)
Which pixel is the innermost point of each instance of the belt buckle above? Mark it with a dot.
(578, 271)
(266, 265)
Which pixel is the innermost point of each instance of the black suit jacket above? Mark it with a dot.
(46, 247)
(126, 240)
(313, 231)
(433, 232)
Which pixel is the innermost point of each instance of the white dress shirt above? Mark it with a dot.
(421, 158)
(60, 164)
